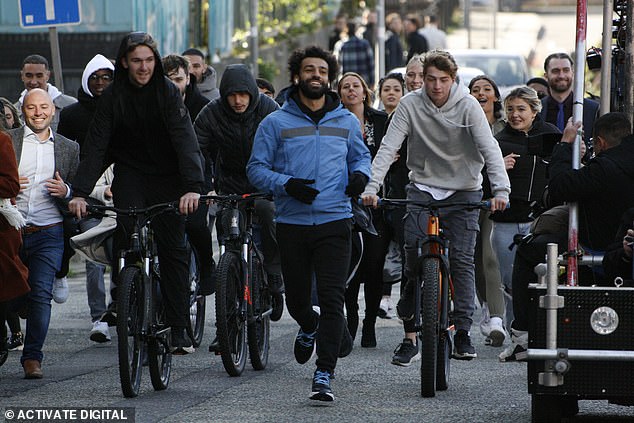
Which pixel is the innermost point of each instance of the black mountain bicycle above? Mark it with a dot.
(434, 293)
(243, 299)
(141, 326)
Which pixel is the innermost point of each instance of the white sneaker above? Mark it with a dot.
(497, 333)
(100, 332)
(485, 321)
(60, 290)
(386, 308)
(517, 350)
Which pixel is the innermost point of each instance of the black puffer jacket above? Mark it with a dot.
(604, 190)
(529, 176)
(226, 137)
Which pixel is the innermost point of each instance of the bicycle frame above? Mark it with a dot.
(438, 248)
(241, 240)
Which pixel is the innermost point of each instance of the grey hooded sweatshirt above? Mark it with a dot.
(447, 147)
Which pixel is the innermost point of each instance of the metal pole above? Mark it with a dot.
(57, 60)
(496, 7)
(552, 269)
(253, 37)
(577, 116)
(467, 21)
(380, 50)
(606, 57)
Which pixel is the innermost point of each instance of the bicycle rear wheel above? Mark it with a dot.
(230, 320)
(429, 325)
(258, 328)
(197, 303)
(131, 344)
(159, 355)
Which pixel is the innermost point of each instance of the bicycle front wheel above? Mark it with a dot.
(429, 325)
(230, 319)
(258, 329)
(131, 345)
(197, 303)
(159, 355)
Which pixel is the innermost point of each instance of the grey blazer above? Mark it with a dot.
(66, 153)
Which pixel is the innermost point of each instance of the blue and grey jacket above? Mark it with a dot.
(288, 144)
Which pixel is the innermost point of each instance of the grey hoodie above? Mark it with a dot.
(447, 147)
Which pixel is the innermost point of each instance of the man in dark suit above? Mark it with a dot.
(46, 162)
(557, 107)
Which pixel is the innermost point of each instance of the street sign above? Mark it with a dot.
(49, 13)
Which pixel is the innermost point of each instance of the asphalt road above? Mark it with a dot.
(80, 373)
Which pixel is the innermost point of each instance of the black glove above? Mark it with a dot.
(298, 189)
(356, 184)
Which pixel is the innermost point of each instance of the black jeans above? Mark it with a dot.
(130, 188)
(200, 239)
(324, 249)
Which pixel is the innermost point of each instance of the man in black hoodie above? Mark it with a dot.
(603, 189)
(74, 121)
(225, 129)
(143, 127)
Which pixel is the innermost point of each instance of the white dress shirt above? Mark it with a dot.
(37, 163)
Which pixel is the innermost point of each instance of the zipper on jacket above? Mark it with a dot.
(530, 186)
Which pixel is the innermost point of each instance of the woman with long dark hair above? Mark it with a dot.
(357, 97)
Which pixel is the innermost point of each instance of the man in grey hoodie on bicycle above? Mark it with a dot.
(449, 142)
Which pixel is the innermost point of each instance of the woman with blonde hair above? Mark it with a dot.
(527, 171)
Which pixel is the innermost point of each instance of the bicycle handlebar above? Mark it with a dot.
(152, 210)
(228, 198)
(434, 205)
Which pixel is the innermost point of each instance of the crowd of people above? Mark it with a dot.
(146, 129)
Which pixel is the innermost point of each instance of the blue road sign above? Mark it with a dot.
(47, 13)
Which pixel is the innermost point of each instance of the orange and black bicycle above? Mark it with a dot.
(434, 292)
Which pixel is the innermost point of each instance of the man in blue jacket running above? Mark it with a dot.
(310, 154)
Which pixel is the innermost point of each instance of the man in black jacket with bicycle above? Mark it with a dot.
(142, 126)
(225, 128)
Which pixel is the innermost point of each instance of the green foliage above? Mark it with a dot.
(267, 70)
(280, 20)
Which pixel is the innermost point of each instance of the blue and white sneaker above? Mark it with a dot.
(305, 346)
(321, 386)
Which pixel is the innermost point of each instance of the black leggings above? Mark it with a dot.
(370, 273)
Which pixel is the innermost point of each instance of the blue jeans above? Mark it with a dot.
(460, 227)
(42, 253)
(502, 238)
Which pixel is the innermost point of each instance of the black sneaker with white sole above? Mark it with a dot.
(406, 353)
(321, 386)
(463, 349)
